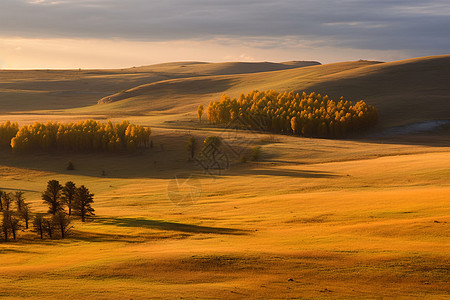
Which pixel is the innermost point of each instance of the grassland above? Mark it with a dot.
(314, 218)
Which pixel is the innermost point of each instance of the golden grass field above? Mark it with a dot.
(366, 218)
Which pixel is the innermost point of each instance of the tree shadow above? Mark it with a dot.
(169, 226)
(284, 173)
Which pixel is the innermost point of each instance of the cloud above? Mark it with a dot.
(420, 26)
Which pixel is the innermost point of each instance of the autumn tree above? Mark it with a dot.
(88, 135)
(302, 114)
(294, 125)
(200, 111)
(8, 130)
(82, 203)
(52, 196)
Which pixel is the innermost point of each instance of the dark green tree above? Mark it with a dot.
(62, 222)
(82, 203)
(19, 199)
(38, 225)
(6, 198)
(68, 194)
(191, 146)
(52, 196)
(6, 225)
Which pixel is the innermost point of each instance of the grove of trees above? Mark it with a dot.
(89, 135)
(309, 115)
(62, 201)
(8, 130)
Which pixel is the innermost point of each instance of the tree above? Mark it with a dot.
(24, 213)
(61, 221)
(48, 226)
(82, 203)
(308, 115)
(86, 135)
(6, 198)
(68, 194)
(70, 166)
(6, 224)
(214, 141)
(38, 225)
(211, 145)
(200, 111)
(294, 125)
(10, 223)
(52, 196)
(256, 153)
(19, 199)
(1, 201)
(13, 224)
(191, 146)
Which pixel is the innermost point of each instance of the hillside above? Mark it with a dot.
(321, 218)
(24, 90)
(404, 92)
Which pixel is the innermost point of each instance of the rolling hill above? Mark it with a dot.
(404, 92)
(22, 90)
(321, 218)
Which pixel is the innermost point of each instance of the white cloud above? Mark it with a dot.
(429, 9)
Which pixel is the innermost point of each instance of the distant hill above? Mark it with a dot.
(23, 90)
(228, 68)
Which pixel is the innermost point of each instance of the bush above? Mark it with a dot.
(70, 166)
(256, 153)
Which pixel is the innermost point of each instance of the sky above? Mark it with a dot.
(125, 33)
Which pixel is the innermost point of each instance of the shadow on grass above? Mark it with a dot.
(289, 173)
(170, 226)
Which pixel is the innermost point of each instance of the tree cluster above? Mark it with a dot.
(293, 113)
(89, 135)
(8, 130)
(14, 211)
(63, 202)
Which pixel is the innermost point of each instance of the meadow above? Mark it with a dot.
(362, 218)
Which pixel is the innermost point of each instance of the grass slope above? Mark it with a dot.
(404, 92)
(62, 89)
(342, 219)
(314, 218)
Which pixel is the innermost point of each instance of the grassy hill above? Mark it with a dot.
(405, 91)
(315, 218)
(61, 89)
(341, 219)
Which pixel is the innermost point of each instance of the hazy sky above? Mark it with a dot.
(122, 33)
